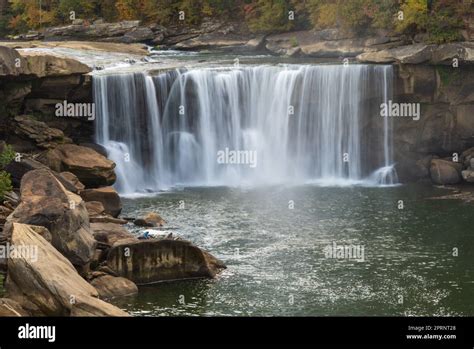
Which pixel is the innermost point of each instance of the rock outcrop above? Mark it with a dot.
(48, 284)
(422, 53)
(45, 202)
(91, 168)
(125, 31)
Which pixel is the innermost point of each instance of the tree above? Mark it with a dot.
(267, 16)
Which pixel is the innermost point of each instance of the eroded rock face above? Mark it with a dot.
(48, 285)
(154, 260)
(38, 132)
(91, 168)
(45, 202)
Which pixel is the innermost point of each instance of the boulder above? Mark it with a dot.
(153, 260)
(109, 286)
(45, 202)
(91, 168)
(38, 132)
(94, 208)
(151, 219)
(48, 285)
(111, 233)
(9, 307)
(445, 172)
(108, 196)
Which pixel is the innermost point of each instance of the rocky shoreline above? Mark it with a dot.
(64, 202)
(64, 249)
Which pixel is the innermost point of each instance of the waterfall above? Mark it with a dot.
(271, 124)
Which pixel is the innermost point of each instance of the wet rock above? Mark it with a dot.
(445, 172)
(151, 219)
(148, 261)
(90, 167)
(48, 285)
(108, 196)
(109, 286)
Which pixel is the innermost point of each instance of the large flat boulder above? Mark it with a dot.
(153, 260)
(45, 202)
(90, 167)
(46, 283)
(41, 64)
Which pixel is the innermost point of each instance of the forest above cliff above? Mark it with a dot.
(438, 21)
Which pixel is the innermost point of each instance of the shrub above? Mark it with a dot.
(6, 156)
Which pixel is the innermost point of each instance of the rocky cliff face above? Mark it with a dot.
(33, 83)
(446, 125)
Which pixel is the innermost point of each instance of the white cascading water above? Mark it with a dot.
(304, 123)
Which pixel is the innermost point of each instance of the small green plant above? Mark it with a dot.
(6, 156)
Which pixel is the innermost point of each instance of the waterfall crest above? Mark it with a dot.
(302, 123)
